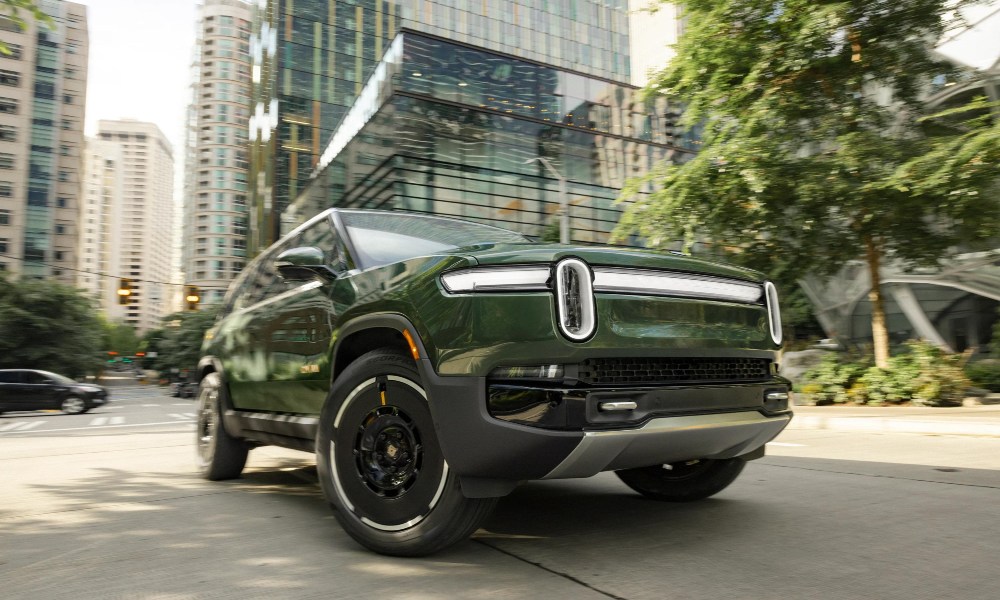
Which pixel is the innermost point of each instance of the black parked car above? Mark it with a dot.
(30, 389)
(184, 389)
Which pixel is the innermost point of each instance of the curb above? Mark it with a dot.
(888, 425)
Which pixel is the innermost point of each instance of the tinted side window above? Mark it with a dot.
(240, 290)
(322, 235)
(32, 377)
(10, 377)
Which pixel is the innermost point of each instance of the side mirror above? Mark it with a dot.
(303, 263)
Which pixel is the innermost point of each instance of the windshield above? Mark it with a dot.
(384, 238)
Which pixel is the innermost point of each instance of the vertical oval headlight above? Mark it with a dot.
(575, 299)
(773, 311)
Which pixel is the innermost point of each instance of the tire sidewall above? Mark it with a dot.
(82, 405)
(433, 525)
(714, 479)
(224, 456)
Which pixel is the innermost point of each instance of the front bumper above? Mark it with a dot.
(669, 427)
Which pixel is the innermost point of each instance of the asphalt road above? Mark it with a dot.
(129, 408)
(115, 511)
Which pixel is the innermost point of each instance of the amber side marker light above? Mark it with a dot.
(413, 347)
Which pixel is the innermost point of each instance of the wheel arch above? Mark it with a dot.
(372, 332)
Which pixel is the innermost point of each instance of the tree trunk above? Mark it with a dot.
(880, 333)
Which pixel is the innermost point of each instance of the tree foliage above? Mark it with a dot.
(814, 152)
(51, 326)
(120, 338)
(178, 343)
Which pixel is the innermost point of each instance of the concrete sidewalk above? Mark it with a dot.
(960, 420)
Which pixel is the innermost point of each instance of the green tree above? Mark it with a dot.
(813, 148)
(119, 337)
(48, 325)
(182, 335)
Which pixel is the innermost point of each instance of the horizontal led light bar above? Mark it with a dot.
(625, 281)
(510, 279)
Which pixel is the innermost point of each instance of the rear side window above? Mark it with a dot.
(10, 377)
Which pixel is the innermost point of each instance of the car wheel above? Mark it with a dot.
(74, 405)
(220, 455)
(683, 481)
(380, 464)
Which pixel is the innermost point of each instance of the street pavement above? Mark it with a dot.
(958, 420)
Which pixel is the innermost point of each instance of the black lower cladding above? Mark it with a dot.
(595, 408)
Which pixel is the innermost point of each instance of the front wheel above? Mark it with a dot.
(220, 455)
(74, 405)
(683, 481)
(380, 464)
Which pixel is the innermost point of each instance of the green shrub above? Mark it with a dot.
(940, 378)
(829, 381)
(922, 374)
(985, 374)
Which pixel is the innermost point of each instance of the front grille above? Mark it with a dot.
(654, 371)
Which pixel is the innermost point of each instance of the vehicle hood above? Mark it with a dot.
(519, 254)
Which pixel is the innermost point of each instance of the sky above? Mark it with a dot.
(140, 57)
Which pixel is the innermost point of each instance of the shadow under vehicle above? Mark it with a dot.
(432, 364)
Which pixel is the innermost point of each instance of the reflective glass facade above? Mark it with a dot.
(450, 129)
(311, 59)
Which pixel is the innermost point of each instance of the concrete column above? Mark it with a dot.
(908, 303)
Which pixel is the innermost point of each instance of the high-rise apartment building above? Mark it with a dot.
(215, 182)
(101, 221)
(143, 249)
(311, 59)
(43, 84)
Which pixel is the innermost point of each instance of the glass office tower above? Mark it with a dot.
(311, 59)
(447, 128)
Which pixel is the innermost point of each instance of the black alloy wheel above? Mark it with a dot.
(684, 481)
(380, 464)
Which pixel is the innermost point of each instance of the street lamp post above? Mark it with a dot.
(563, 200)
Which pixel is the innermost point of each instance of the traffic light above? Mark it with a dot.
(124, 291)
(192, 297)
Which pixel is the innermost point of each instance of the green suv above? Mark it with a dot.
(432, 364)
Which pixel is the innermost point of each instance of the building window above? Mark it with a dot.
(60, 255)
(11, 78)
(8, 133)
(62, 202)
(8, 105)
(3, 245)
(63, 176)
(60, 229)
(8, 24)
(4, 217)
(6, 160)
(6, 189)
